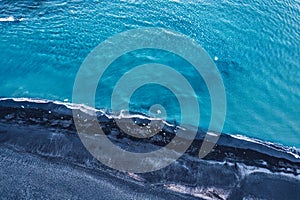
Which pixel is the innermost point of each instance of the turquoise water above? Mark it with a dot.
(257, 43)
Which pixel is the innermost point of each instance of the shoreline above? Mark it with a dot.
(235, 167)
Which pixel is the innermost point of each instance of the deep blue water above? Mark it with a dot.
(257, 43)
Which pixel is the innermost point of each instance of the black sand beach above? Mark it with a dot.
(43, 157)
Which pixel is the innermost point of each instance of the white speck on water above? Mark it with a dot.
(8, 19)
(216, 58)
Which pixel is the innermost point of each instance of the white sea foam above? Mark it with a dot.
(11, 19)
(269, 144)
(7, 19)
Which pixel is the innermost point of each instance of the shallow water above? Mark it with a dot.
(43, 44)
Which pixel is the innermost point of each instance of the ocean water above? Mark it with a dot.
(256, 45)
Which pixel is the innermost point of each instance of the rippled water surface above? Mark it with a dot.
(257, 43)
